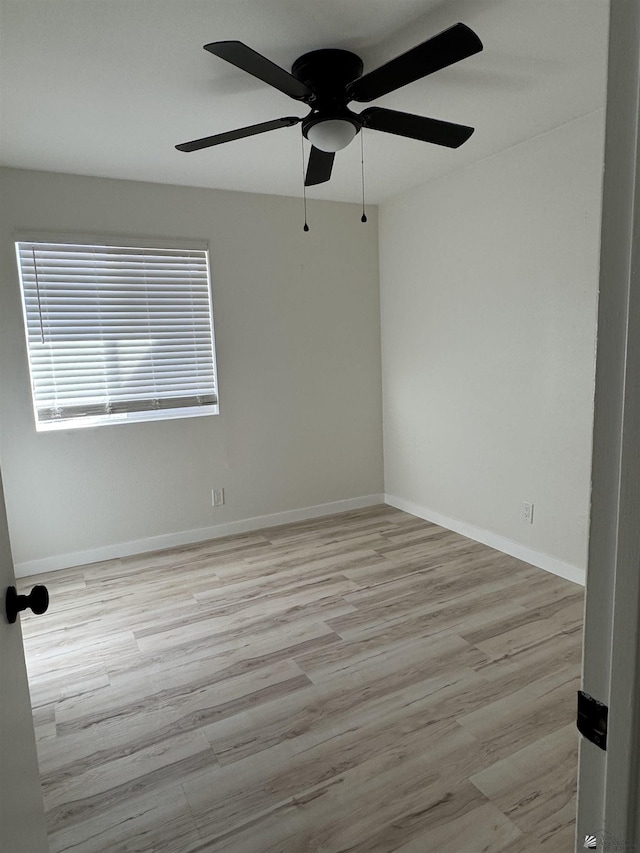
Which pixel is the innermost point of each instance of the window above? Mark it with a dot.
(117, 333)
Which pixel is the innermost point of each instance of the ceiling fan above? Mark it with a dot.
(328, 80)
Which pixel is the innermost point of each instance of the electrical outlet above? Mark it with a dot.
(527, 513)
(217, 497)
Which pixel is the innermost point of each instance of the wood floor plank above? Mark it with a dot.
(155, 822)
(484, 829)
(344, 778)
(520, 785)
(351, 701)
(365, 682)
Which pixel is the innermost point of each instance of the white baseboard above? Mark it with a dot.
(493, 540)
(201, 534)
(189, 537)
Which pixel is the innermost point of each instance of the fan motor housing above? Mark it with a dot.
(328, 72)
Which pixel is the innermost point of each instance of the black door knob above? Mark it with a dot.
(37, 600)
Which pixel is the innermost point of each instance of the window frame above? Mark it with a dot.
(116, 241)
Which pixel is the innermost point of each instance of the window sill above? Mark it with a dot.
(125, 418)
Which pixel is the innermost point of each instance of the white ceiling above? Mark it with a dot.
(108, 87)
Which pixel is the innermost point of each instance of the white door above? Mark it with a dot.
(22, 825)
(608, 783)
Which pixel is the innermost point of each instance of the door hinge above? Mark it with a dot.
(592, 719)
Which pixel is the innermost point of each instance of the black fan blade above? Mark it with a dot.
(230, 135)
(449, 46)
(259, 66)
(319, 167)
(416, 127)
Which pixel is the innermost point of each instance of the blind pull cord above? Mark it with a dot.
(35, 270)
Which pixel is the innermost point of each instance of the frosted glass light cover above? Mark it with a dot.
(332, 134)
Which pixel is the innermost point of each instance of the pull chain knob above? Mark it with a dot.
(37, 600)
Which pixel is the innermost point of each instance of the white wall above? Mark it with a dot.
(298, 341)
(489, 283)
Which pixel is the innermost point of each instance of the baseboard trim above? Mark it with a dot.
(190, 537)
(201, 534)
(493, 540)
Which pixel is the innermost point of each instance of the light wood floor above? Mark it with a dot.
(367, 682)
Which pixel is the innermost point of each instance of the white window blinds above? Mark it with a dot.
(117, 333)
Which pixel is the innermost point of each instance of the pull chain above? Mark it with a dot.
(363, 218)
(304, 186)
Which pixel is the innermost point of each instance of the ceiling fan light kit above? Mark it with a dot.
(330, 134)
(328, 80)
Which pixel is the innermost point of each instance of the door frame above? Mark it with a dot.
(608, 782)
